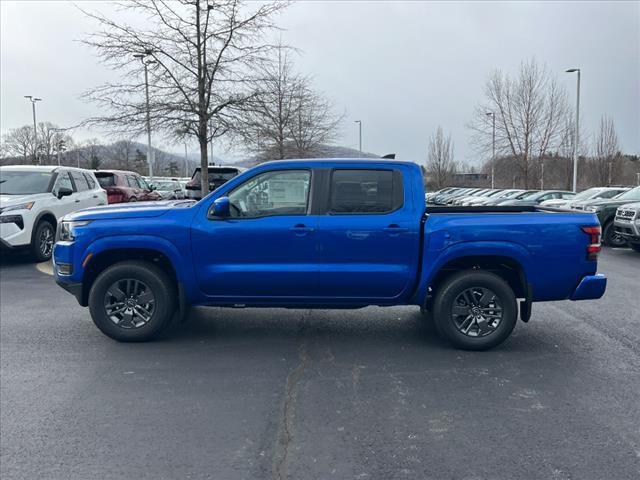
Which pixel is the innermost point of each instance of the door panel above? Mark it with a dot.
(365, 252)
(267, 249)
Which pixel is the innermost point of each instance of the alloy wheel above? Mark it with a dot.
(129, 303)
(477, 312)
(45, 241)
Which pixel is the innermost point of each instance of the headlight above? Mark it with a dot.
(22, 206)
(66, 230)
(593, 209)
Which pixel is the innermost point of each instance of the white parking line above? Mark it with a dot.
(45, 267)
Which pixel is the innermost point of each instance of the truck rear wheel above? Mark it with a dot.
(475, 310)
(132, 301)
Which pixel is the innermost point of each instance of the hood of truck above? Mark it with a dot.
(129, 210)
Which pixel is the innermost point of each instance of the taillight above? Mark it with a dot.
(115, 197)
(594, 246)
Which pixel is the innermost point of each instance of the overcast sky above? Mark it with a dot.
(403, 68)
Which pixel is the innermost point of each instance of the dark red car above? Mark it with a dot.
(123, 186)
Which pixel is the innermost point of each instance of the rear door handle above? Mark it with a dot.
(95, 196)
(301, 229)
(395, 229)
(77, 200)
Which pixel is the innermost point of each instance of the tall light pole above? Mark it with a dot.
(493, 148)
(576, 141)
(359, 122)
(33, 101)
(146, 63)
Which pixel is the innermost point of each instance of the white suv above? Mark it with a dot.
(34, 198)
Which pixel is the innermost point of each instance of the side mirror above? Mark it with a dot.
(152, 187)
(220, 208)
(63, 192)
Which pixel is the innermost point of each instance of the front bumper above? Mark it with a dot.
(628, 229)
(74, 289)
(590, 287)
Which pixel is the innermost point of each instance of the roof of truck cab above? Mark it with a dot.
(339, 161)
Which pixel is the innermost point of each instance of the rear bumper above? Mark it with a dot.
(590, 287)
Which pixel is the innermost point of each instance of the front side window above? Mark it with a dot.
(362, 191)
(143, 183)
(131, 181)
(272, 193)
(63, 181)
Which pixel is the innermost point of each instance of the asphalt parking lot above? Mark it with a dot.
(275, 394)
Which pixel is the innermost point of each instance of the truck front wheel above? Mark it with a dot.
(475, 310)
(132, 301)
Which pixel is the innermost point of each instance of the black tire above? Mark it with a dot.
(501, 300)
(151, 278)
(610, 238)
(42, 241)
(635, 247)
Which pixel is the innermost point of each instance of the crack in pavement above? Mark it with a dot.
(287, 420)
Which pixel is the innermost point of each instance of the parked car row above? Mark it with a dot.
(34, 198)
(617, 230)
(492, 196)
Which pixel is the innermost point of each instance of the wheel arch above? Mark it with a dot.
(508, 267)
(100, 261)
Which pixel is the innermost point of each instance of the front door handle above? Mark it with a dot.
(394, 229)
(301, 229)
(77, 200)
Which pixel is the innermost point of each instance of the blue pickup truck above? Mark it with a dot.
(326, 234)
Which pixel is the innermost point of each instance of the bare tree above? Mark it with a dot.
(529, 113)
(314, 121)
(287, 117)
(607, 150)
(440, 163)
(18, 142)
(203, 52)
(49, 138)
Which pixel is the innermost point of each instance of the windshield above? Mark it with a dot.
(165, 185)
(630, 195)
(591, 192)
(217, 174)
(527, 194)
(511, 194)
(22, 182)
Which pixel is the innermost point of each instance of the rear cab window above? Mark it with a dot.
(362, 191)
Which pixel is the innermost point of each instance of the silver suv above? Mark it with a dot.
(627, 224)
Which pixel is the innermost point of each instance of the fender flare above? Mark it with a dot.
(142, 242)
(510, 250)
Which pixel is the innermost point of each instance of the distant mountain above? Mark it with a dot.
(323, 151)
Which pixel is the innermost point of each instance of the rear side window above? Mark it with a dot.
(106, 179)
(90, 181)
(79, 181)
(365, 191)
